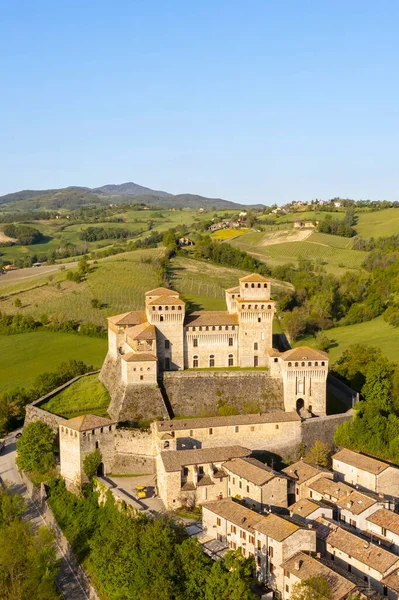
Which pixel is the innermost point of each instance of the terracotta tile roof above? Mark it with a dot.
(303, 353)
(356, 502)
(251, 469)
(138, 357)
(305, 507)
(234, 290)
(276, 527)
(385, 518)
(368, 554)
(188, 487)
(86, 422)
(392, 581)
(234, 513)
(145, 331)
(333, 489)
(254, 277)
(205, 480)
(301, 471)
(361, 461)
(166, 301)
(162, 291)
(303, 566)
(174, 460)
(204, 422)
(210, 317)
(134, 317)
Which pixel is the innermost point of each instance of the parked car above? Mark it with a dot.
(18, 435)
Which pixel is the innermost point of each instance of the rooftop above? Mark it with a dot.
(392, 581)
(303, 566)
(305, 507)
(204, 422)
(385, 518)
(210, 317)
(254, 277)
(166, 300)
(302, 353)
(162, 291)
(356, 502)
(234, 290)
(369, 554)
(134, 317)
(276, 527)
(138, 357)
(251, 469)
(301, 471)
(361, 461)
(175, 460)
(86, 422)
(334, 489)
(145, 331)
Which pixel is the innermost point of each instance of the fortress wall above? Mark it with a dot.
(323, 428)
(134, 452)
(34, 413)
(192, 393)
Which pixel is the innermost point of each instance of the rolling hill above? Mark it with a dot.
(74, 196)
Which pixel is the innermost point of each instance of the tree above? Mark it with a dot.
(91, 463)
(36, 448)
(319, 454)
(294, 323)
(18, 303)
(322, 341)
(314, 588)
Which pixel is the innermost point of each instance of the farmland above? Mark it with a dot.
(26, 355)
(381, 223)
(85, 396)
(375, 333)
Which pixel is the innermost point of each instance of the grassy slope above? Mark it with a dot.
(376, 224)
(27, 355)
(86, 396)
(375, 333)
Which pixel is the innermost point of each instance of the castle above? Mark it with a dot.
(144, 346)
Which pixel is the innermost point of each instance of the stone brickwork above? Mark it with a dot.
(34, 413)
(134, 452)
(193, 393)
(323, 428)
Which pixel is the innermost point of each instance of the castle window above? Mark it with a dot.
(246, 285)
(230, 341)
(259, 320)
(207, 328)
(179, 307)
(243, 307)
(249, 306)
(173, 307)
(269, 307)
(76, 435)
(233, 296)
(256, 361)
(263, 306)
(110, 427)
(277, 427)
(193, 329)
(256, 307)
(259, 285)
(167, 344)
(101, 430)
(159, 307)
(233, 327)
(323, 364)
(141, 377)
(191, 432)
(252, 285)
(255, 345)
(227, 328)
(195, 362)
(290, 364)
(212, 360)
(316, 364)
(220, 328)
(92, 431)
(213, 328)
(211, 431)
(276, 360)
(265, 285)
(302, 364)
(97, 445)
(309, 364)
(161, 318)
(166, 307)
(153, 308)
(200, 328)
(231, 361)
(134, 368)
(296, 364)
(195, 342)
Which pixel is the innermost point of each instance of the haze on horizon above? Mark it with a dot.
(258, 102)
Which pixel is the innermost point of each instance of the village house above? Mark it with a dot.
(301, 475)
(357, 555)
(306, 511)
(301, 567)
(367, 473)
(385, 523)
(326, 489)
(356, 508)
(192, 477)
(256, 484)
(391, 585)
(271, 539)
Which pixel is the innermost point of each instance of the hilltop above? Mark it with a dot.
(124, 193)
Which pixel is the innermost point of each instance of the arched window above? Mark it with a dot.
(153, 308)
(296, 364)
(159, 307)
(243, 306)
(195, 361)
(256, 307)
(316, 364)
(161, 318)
(233, 296)
(252, 285)
(212, 360)
(269, 307)
(179, 307)
(259, 285)
(246, 285)
(207, 328)
(220, 328)
(302, 364)
(290, 364)
(265, 285)
(263, 306)
(166, 307)
(309, 364)
(249, 306)
(231, 361)
(213, 328)
(322, 364)
(173, 307)
(255, 345)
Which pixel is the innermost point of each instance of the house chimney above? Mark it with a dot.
(297, 565)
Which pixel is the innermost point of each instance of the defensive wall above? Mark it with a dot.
(134, 452)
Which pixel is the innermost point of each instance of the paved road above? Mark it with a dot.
(20, 275)
(66, 580)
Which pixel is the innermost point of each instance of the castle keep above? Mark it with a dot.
(146, 347)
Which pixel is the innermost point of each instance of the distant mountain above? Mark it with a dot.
(125, 193)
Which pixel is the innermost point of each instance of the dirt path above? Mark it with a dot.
(20, 275)
(284, 236)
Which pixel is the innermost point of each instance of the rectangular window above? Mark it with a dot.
(236, 429)
(286, 574)
(167, 364)
(167, 344)
(200, 470)
(240, 485)
(210, 431)
(195, 342)
(252, 428)
(259, 545)
(185, 471)
(259, 561)
(218, 522)
(255, 345)
(233, 529)
(287, 588)
(230, 341)
(271, 568)
(141, 377)
(270, 553)
(256, 361)
(247, 489)
(251, 539)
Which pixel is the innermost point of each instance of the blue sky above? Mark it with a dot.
(252, 101)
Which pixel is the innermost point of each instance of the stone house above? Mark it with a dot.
(259, 486)
(79, 437)
(192, 477)
(356, 509)
(385, 523)
(301, 474)
(302, 566)
(271, 539)
(327, 490)
(357, 555)
(306, 511)
(391, 585)
(366, 473)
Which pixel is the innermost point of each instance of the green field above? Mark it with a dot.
(27, 355)
(374, 333)
(380, 223)
(305, 215)
(85, 396)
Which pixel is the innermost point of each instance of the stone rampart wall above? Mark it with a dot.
(34, 413)
(323, 428)
(192, 393)
(134, 452)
